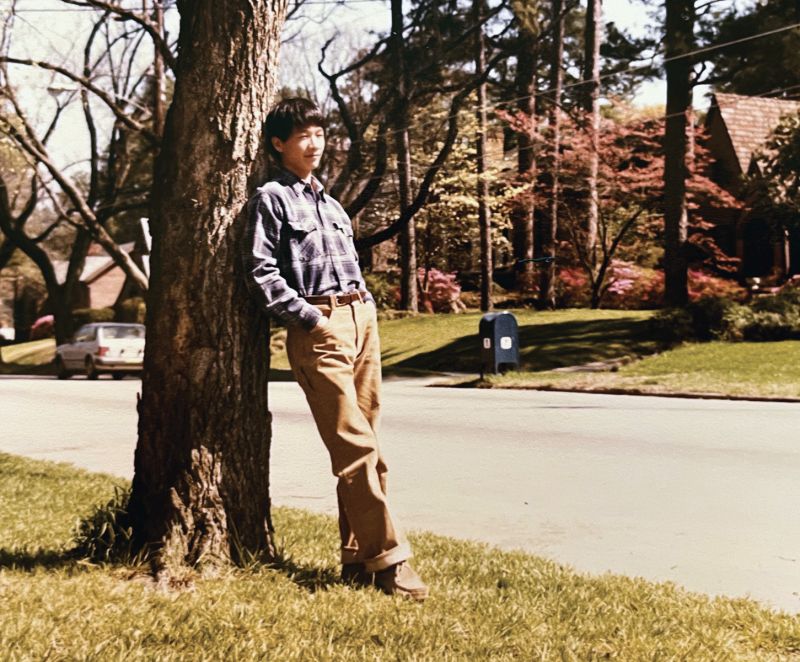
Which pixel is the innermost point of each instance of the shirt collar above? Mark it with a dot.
(298, 185)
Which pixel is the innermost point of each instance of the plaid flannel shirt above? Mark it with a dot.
(299, 243)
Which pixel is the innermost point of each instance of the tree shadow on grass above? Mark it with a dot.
(48, 559)
(27, 369)
(548, 346)
(309, 577)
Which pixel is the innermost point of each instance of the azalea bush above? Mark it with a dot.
(44, 327)
(703, 285)
(572, 288)
(632, 287)
(439, 292)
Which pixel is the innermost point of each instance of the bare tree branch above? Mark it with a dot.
(375, 179)
(94, 156)
(28, 142)
(160, 42)
(115, 107)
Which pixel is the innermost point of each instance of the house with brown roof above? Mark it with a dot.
(738, 127)
(102, 282)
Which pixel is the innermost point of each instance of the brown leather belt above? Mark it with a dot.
(334, 300)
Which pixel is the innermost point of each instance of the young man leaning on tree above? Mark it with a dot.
(303, 268)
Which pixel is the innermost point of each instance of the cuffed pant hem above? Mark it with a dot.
(388, 558)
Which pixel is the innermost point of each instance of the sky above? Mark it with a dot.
(41, 32)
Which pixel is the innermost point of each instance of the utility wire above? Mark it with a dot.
(630, 69)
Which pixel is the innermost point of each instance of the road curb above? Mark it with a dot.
(621, 391)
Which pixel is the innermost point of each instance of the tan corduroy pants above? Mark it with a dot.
(338, 367)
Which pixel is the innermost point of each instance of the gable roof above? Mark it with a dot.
(97, 263)
(750, 120)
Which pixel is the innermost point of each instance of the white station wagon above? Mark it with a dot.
(103, 347)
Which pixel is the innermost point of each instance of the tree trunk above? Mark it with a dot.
(523, 213)
(408, 244)
(679, 40)
(591, 105)
(158, 72)
(547, 290)
(484, 212)
(201, 483)
(61, 296)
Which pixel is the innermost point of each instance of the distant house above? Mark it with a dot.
(103, 283)
(738, 126)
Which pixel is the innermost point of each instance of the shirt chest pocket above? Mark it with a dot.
(343, 238)
(305, 240)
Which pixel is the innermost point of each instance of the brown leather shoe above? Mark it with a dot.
(356, 575)
(400, 579)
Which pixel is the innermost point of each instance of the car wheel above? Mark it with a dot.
(91, 370)
(117, 375)
(61, 369)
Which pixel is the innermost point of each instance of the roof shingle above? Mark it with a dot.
(750, 120)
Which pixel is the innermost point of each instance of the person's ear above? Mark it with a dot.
(277, 143)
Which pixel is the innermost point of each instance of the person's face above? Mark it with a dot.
(302, 150)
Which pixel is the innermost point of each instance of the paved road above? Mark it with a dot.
(703, 493)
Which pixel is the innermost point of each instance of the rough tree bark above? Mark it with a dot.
(547, 289)
(484, 213)
(679, 40)
(593, 37)
(201, 484)
(158, 71)
(408, 244)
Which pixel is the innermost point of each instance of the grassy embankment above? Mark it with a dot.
(30, 358)
(767, 369)
(550, 340)
(485, 604)
(449, 343)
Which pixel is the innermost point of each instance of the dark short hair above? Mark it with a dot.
(288, 115)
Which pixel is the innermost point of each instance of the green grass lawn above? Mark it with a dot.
(449, 343)
(28, 358)
(485, 604)
(769, 369)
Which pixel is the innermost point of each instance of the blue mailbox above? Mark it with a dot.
(499, 338)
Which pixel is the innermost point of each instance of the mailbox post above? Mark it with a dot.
(499, 343)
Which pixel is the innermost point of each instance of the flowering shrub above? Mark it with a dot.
(43, 328)
(439, 292)
(633, 287)
(572, 288)
(703, 285)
